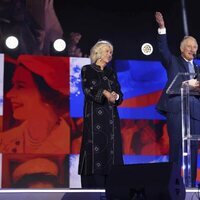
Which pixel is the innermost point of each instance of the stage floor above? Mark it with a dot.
(69, 194)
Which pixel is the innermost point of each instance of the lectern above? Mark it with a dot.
(180, 86)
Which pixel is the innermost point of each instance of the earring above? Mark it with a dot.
(46, 105)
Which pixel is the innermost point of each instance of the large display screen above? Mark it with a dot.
(42, 118)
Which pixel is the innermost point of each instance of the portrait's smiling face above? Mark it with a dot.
(24, 95)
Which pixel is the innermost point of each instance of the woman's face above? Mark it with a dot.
(24, 96)
(106, 54)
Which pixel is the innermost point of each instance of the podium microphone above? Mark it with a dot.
(196, 56)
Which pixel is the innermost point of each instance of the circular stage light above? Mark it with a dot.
(147, 49)
(59, 45)
(12, 42)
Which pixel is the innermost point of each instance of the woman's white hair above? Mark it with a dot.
(96, 50)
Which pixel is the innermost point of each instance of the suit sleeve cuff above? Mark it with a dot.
(161, 31)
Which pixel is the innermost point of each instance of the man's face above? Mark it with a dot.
(189, 49)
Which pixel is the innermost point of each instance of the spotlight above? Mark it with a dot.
(147, 49)
(12, 42)
(59, 45)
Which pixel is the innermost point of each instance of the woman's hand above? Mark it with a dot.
(111, 96)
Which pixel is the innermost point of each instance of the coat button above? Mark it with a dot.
(98, 127)
(99, 112)
(94, 82)
(98, 164)
(105, 78)
(96, 148)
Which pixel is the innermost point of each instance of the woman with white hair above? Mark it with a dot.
(101, 142)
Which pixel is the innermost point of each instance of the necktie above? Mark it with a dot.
(191, 69)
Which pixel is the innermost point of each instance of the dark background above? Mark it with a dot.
(127, 24)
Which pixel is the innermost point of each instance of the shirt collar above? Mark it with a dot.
(191, 61)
